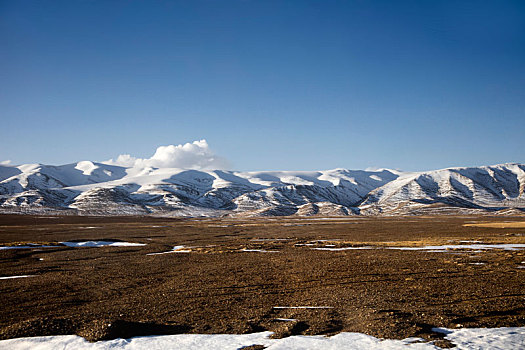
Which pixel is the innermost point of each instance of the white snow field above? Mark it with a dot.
(466, 338)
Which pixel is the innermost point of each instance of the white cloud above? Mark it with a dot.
(5, 162)
(194, 155)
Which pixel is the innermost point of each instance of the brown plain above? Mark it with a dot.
(109, 292)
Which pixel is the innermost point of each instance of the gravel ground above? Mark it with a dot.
(250, 275)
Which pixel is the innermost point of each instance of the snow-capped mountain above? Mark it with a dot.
(89, 188)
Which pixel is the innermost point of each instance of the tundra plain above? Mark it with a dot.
(389, 277)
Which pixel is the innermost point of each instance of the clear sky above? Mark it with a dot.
(289, 85)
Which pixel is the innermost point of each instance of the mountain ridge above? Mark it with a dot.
(91, 188)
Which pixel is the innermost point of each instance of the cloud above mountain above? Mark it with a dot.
(194, 155)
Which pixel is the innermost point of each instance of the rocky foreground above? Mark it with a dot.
(394, 278)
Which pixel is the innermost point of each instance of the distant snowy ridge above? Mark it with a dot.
(89, 188)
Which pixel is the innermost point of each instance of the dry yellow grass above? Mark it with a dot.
(515, 224)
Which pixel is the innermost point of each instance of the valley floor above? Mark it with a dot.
(398, 277)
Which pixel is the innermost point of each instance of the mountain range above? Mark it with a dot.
(90, 188)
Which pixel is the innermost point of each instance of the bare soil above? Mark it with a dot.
(111, 292)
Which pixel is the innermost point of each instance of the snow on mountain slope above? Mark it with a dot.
(8, 171)
(89, 188)
(38, 176)
(487, 188)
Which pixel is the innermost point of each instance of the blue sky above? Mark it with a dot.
(290, 85)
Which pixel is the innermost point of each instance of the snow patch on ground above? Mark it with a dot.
(486, 338)
(464, 338)
(259, 250)
(27, 246)
(11, 277)
(76, 245)
(464, 246)
(101, 244)
(431, 249)
(176, 249)
(285, 319)
(343, 248)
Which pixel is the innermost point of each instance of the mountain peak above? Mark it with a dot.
(89, 188)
